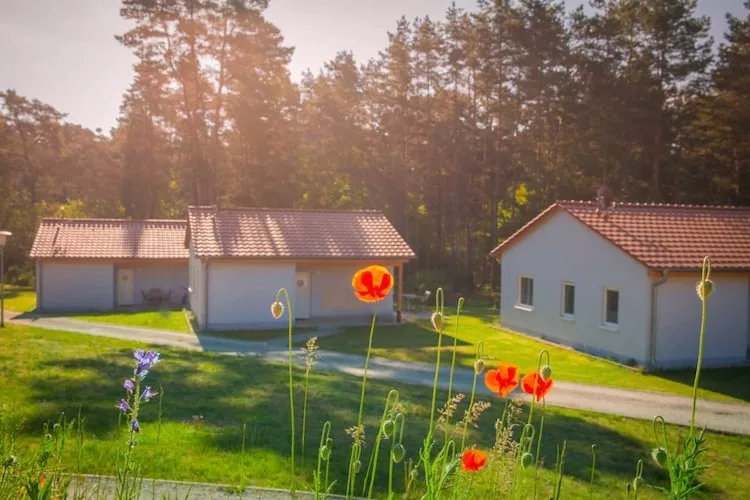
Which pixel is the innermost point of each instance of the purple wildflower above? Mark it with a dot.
(145, 361)
(134, 426)
(123, 406)
(129, 385)
(148, 394)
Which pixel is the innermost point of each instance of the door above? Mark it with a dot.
(125, 287)
(302, 296)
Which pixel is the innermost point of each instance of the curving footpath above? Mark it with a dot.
(718, 416)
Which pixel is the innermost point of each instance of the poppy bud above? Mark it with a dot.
(388, 427)
(704, 289)
(546, 372)
(526, 459)
(479, 366)
(325, 452)
(398, 453)
(637, 483)
(356, 466)
(437, 320)
(660, 456)
(10, 461)
(277, 309)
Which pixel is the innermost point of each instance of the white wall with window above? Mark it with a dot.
(584, 291)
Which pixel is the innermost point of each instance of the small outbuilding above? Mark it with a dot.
(105, 264)
(240, 258)
(621, 282)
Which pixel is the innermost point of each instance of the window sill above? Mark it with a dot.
(567, 317)
(522, 307)
(610, 327)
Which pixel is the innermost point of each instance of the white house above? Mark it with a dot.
(102, 264)
(240, 258)
(621, 282)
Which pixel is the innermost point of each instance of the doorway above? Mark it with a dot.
(125, 287)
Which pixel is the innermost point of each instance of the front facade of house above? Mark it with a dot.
(621, 283)
(106, 264)
(240, 258)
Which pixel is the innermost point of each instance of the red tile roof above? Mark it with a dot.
(110, 239)
(281, 233)
(663, 236)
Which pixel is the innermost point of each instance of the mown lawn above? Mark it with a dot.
(417, 342)
(208, 397)
(19, 299)
(173, 320)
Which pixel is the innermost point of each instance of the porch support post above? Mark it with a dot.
(400, 297)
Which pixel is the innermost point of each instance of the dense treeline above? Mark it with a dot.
(460, 130)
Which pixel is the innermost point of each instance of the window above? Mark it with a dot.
(569, 300)
(611, 307)
(526, 292)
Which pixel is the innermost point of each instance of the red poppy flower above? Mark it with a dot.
(503, 380)
(372, 284)
(534, 384)
(472, 460)
(42, 480)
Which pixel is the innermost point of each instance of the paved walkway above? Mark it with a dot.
(727, 417)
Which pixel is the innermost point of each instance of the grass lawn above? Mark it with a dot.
(44, 373)
(19, 299)
(417, 342)
(257, 335)
(161, 319)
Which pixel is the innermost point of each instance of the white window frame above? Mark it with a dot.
(563, 313)
(519, 299)
(606, 324)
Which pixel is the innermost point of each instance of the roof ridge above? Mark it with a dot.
(630, 204)
(95, 219)
(271, 209)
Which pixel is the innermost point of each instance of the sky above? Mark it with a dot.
(63, 52)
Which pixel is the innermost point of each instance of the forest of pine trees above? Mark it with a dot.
(461, 130)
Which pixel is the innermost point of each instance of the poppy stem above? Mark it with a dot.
(440, 306)
(291, 381)
(364, 374)
(705, 275)
(477, 357)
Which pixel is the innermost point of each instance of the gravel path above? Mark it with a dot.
(719, 416)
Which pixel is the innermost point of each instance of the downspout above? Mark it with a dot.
(654, 303)
(205, 296)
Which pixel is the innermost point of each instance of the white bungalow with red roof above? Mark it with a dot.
(240, 258)
(103, 264)
(621, 282)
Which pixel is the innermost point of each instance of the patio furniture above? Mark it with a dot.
(156, 296)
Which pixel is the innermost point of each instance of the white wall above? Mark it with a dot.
(165, 277)
(196, 273)
(240, 293)
(68, 286)
(564, 249)
(332, 294)
(678, 322)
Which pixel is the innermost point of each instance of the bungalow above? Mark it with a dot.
(240, 257)
(102, 264)
(621, 282)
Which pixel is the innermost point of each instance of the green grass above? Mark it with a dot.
(44, 373)
(20, 299)
(417, 342)
(256, 335)
(173, 320)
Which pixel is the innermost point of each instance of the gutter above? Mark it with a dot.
(652, 329)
